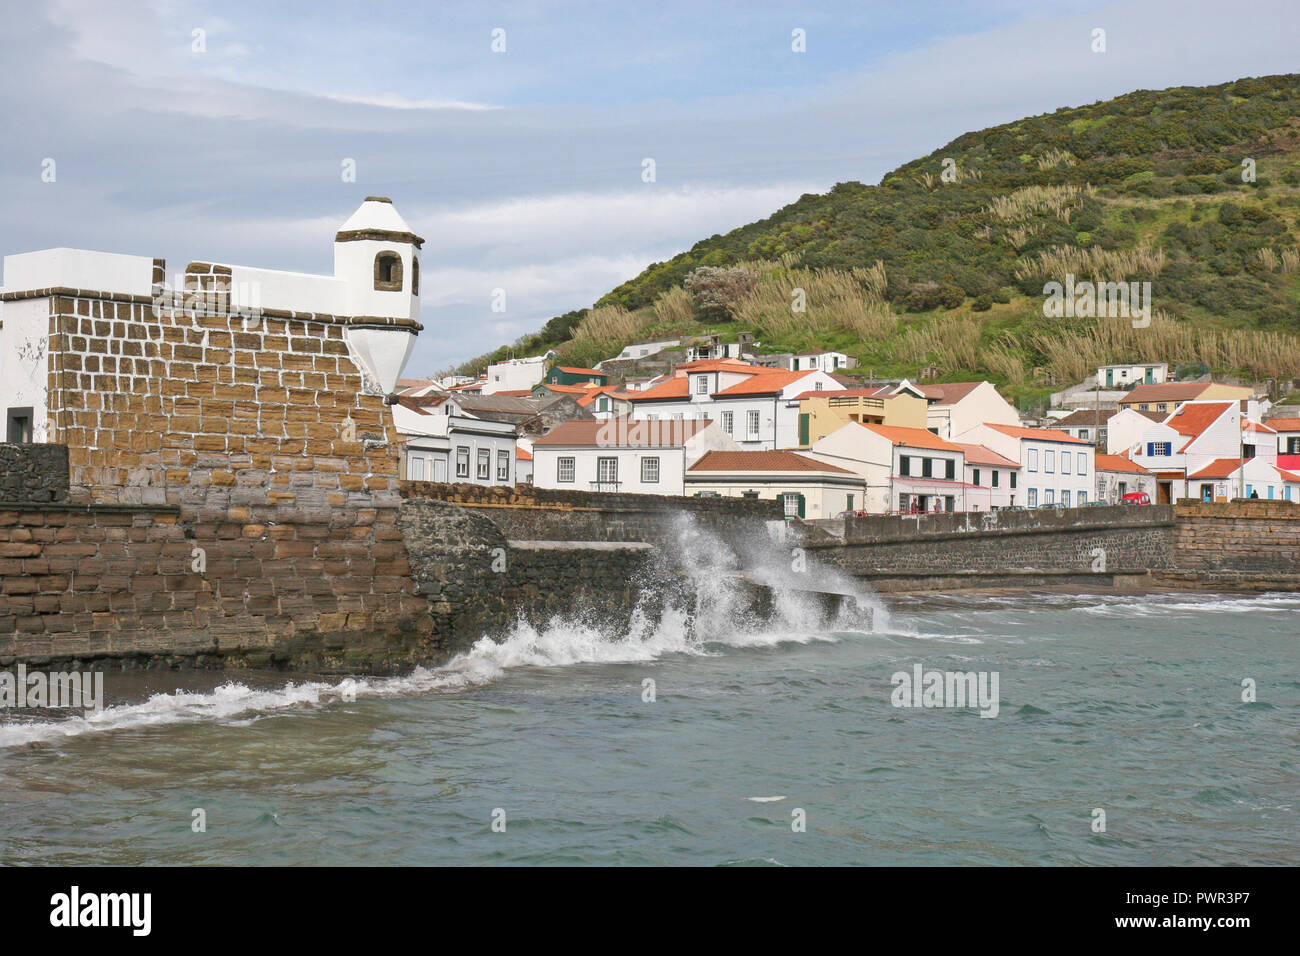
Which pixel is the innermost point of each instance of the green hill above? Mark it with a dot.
(944, 262)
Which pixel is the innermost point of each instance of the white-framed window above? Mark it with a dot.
(1031, 460)
(1049, 461)
(1082, 462)
(503, 465)
(649, 470)
(485, 463)
(415, 469)
(1033, 497)
(1083, 498)
(1049, 496)
(564, 470)
(751, 424)
(791, 504)
(462, 461)
(607, 470)
(1065, 462)
(701, 385)
(728, 422)
(1065, 497)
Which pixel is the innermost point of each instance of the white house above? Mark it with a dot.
(1288, 434)
(956, 407)
(523, 463)
(1126, 426)
(991, 478)
(640, 350)
(905, 469)
(625, 455)
(1227, 478)
(449, 447)
(1055, 468)
(1121, 376)
(808, 487)
(821, 362)
(1118, 476)
(516, 375)
(756, 406)
(1198, 434)
(375, 287)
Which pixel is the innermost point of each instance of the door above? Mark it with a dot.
(1166, 489)
(803, 428)
(1150, 377)
(1110, 377)
(440, 469)
(1207, 492)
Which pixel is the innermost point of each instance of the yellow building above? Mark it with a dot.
(821, 413)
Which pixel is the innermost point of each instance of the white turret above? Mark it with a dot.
(378, 257)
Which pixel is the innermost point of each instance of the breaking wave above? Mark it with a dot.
(702, 606)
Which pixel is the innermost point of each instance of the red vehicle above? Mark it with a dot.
(1136, 498)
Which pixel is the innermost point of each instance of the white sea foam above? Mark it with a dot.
(711, 611)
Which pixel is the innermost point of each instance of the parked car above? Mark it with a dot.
(1136, 498)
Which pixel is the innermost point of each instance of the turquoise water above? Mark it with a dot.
(1127, 704)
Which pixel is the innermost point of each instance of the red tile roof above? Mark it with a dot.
(1283, 424)
(1037, 434)
(1287, 475)
(1119, 463)
(769, 382)
(911, 437)
(673, 388)
(762, 461)
(979, 455)
(522, 453)
(1249, 426)
(1087, 418)
(1193, 419)
(721, 365)
(1219, 468)
(573, 370)
(624, 433)
(516, 393)
(1169, 392)
(949, 393)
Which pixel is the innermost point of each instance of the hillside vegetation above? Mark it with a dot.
(945, 261)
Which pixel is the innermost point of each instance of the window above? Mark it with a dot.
(976, 479)
(791, 504)
(950, 470)
(1065, 498)
(1083, 433)
(604, 404)
(701, 385)
(904, 465)
(1033, 497)
(503, 465)
(388, 272)
(1049, 461)
(485, 464)
(1032, 459)
(927, 468)
(1049, 496)
(607, 471)
(902, 503)
(564, 470)
(1293, 446)
(415, 275)
(1013, 479)
(20, 425)
(1083, 498)
(751, 421)
(995, 478)
(728, 422)
(1156, 448)
(1065, 462)
(1082, 461)
(462, 462)
(849, 504)
(415, 469)
(949, 503)
(649, 470)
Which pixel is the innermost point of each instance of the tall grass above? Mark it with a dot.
(674, 306)
(1108, 265)
(603, 332)
(951, 342)
(1029, 201)
(834, 300)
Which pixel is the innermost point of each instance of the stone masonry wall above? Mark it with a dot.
(1238, 536)
(279, 462)
(33, 473)
(1032, 546)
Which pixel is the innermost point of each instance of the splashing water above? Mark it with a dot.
(702, 604)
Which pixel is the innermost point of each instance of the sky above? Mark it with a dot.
(220, 131)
